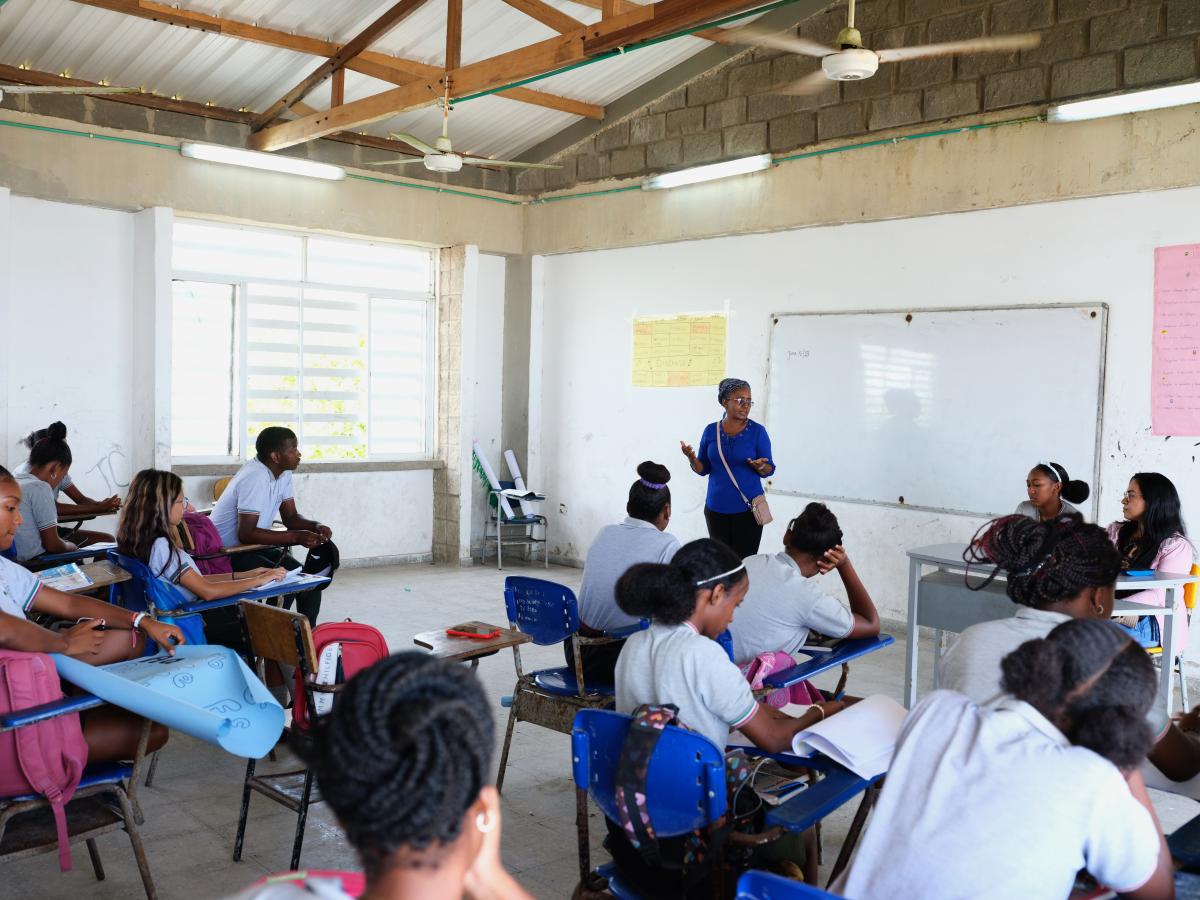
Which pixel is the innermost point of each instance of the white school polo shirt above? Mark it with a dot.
(18, 588)
(972, 665)
(615, 549)
(23, 469)
(169, 565)
(1027, 509)
(253, 490)
(38, 513)
(993, 803)
(676, 664)
(780, 607)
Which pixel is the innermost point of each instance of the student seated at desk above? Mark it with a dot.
(1152, 536)
(260, 490)
(149, 532)
(1052, 493)
(49, 461)
(82, 504)
(404, 761)
(1013, 798)
(642, 537)
(785, 601)
(103, 633)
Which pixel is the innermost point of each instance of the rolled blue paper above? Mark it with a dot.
(204, 690)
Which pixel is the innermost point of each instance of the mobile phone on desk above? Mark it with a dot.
(1138, 573)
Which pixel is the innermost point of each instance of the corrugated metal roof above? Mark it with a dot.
(95, 44)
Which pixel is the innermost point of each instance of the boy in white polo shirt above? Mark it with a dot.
(260, 491)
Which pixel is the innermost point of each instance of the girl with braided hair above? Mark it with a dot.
(1013, 798)
(1057, 569)
(403, 761)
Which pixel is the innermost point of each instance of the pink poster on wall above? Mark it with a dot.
(1175, 389)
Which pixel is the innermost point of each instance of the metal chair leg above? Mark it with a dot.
(139, 850)
(581, 835)
(241, 830)
(94, 853)
(302, 820)
(153, 768)
(512, 721)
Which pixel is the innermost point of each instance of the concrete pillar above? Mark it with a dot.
(151, 370)
(8, 454)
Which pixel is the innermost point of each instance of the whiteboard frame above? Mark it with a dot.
(1098, 307)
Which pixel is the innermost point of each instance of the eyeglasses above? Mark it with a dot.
(741, 401)
(1129, 495)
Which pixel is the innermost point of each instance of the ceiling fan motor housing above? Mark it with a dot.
(443, 162)
(854, 64)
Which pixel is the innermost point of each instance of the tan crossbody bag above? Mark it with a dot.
(758, 506)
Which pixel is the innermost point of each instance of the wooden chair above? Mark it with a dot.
(105, 801)
(285, 638)
(219, 487)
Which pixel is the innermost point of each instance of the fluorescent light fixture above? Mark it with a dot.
(1119, 104)
(709, 173)
(254, 160)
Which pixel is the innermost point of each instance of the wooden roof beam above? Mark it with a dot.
(453, 34)
(628, 29)
(546, 14)
(377, 65)
(716, 35)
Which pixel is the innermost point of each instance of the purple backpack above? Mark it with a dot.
(205, 543)
(46, 758)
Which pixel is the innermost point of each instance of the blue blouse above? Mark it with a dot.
(752, 442)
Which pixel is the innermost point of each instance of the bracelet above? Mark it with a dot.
(137, 620)
(820, 710)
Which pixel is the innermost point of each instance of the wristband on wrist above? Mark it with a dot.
(137, 620)
(820, 710)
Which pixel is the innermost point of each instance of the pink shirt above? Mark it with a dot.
(1174, 557)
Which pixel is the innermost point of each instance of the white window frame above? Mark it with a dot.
(240, 284)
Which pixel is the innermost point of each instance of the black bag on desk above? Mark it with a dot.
(323, 559)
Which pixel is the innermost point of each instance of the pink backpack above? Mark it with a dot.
(343, 650)
(205, 541)
(46, 758)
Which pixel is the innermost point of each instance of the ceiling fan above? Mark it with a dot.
(851, 61)
(441, 156)
(63, 89)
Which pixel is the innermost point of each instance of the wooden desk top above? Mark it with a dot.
(103, 573)
(444, 646)
(76, 517)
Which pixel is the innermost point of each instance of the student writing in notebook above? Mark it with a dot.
(149, 532)
(785, 602)
(1013, 798)
(81, 503)
(642, 537)
(1051, 493)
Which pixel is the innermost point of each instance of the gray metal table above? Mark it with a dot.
(940, 600)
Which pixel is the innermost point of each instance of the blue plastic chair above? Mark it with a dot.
(549, 614)
(756, 885)
(104, 800)
(161, 599)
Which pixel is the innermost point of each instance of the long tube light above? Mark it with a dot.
(710, 172)
(252, 159)
(1119, 104)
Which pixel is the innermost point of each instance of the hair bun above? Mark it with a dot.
(56, 432)
(655, 473)
(1076, 491)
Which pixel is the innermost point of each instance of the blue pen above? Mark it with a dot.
(840, 695)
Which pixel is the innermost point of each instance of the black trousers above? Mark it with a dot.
(599, 661)
(738, 530)
(308, 602)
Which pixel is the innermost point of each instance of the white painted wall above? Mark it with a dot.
(488, 336)
(599, 427)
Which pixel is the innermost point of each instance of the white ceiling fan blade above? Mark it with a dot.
(481, 161)
(413, 141)
(398, 162)
(1006, 43)
(812, 83)
(776, 40)
(65, 89)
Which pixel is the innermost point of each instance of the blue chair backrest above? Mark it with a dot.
(755, 885)
(545, 611)
(145, 589)
(725, 639)
(685, 784)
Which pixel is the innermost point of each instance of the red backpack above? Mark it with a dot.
(46, 758)
(343, 650)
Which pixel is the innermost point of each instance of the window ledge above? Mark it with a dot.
(314, 468)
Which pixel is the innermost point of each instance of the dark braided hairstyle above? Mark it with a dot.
(403, 756)
(1092, 682)
(1045, 562)
(667, 592)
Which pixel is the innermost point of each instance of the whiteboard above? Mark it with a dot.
(944, 410)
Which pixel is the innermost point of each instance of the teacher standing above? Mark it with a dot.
(747, 450)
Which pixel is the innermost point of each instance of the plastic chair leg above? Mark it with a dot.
(241, 830)
(512, 721)
(94, 853)
(302, 820)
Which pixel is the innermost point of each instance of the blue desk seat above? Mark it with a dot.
(756, 885)
(561, 682)
(820, 661)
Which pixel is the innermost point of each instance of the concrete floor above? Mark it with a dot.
(191, 812)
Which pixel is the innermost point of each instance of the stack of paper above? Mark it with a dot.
(65, 578)
(862, 737)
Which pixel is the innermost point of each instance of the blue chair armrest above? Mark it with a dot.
(843, 652)
(263, 593)
(626, 631)
(810, 806)
(34, 714)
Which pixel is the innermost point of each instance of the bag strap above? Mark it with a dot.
(728, 471)
(632, 769)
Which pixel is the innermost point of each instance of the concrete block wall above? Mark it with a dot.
(447, 481)
(1089, 47)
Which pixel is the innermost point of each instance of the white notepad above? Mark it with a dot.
(861, 737)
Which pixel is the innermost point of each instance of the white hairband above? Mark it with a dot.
(704, 581)
(1053, 471)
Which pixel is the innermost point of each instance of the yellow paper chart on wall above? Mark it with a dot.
(684, 351)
